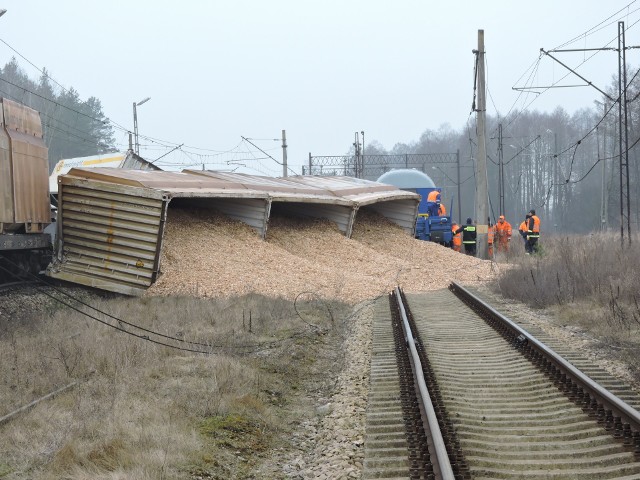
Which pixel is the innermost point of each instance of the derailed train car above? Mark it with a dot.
(28, 194)
(25, 210)
(112, 208)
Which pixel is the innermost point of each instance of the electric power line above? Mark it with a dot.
(247, 348)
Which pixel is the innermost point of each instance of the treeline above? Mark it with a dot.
(72, 127)
(565, 166)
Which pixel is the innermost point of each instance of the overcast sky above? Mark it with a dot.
(322, 70)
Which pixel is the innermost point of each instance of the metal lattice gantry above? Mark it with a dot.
(370, 167)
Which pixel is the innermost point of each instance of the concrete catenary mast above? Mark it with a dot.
(482, 196)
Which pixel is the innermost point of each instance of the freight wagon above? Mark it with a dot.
(25, 210)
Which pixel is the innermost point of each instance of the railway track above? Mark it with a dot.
(507, 406)
(12, 286)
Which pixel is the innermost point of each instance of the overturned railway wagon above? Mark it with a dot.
(111, 221)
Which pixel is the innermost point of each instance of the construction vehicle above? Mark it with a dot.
(430, 226)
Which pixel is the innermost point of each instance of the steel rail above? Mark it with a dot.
(440, 449)
(595, 391)
(21, 283)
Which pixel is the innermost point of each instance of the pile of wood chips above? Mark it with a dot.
(209, 255)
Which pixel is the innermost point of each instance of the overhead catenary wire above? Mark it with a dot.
(277, 161)
(595, 28)
(102, 312)
(41, 285)
(526, 86)
(115, 327)
(594, 128)
(578, 142)
(106, 121)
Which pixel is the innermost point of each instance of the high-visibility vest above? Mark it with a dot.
(433, 196)
(457, 237)
(441, 210)
(490, 234)
(469, 234)
(523, 226)
(535, 230)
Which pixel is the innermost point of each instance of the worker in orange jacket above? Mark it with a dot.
(456, 243)
(524, 226)
(503, 233)
(533, 232)
(434, 204)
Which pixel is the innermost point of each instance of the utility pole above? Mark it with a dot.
(482, 207)
(135, 128)
(556, 184)
(500, 173)
(356, 145)
(135, 122)
(623, 139)
(284, 153)
(459, 186)
(603, 188)
(362, 156)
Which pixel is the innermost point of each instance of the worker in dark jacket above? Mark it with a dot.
(468, 237)
(533, 232)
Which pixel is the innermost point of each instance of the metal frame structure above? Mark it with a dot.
(625, 200)
(370, 167)
(623, 130)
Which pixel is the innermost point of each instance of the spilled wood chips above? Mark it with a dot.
(209, 255)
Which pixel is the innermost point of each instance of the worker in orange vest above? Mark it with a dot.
(490, 235)
(524, 226)
(434, 205)
(503, 232)
(456, 243)
(533, 232)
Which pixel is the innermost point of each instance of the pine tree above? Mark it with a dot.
(72, 127)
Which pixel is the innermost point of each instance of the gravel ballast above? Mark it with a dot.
(208, 255)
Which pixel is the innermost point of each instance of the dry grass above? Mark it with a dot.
(591, 282)
(143, 411)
